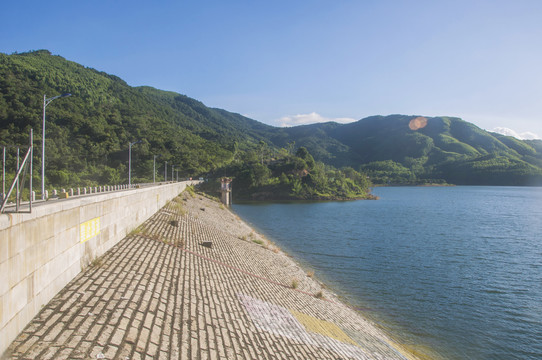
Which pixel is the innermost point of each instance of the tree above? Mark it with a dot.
(261, 174)
(304, 154)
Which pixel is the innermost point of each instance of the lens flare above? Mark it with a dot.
(418, 123)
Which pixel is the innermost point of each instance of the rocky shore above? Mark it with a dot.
(196, 282)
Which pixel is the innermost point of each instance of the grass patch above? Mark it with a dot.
(97, 262)
(202, 194)
(294, 284)
(257, 241)
(190, 190)
(177, 205)
(138, 230)
(177, 200)
(319, 295)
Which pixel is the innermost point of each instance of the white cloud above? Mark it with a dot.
(304, 119)
(509, 132)
(529, 136)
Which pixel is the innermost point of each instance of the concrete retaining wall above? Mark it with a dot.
(42, 251)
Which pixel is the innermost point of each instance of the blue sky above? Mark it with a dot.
(292, 62)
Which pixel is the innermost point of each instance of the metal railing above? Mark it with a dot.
(18, 180)
(82, 191)
(26, 167)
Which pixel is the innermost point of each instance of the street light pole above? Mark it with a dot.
(165, 171)
(3, 173)
(45, 103)
(130, 162)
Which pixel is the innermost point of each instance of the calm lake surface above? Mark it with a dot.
(454, 269)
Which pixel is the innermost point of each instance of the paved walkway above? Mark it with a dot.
(161, 294)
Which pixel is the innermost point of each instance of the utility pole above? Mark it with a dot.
(45, 103)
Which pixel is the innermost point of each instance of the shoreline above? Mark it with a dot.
(409, 351)
(333, 296)
(413, 185)
(267, 198)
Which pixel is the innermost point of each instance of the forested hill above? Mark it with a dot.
(411, 149)
(88, 134)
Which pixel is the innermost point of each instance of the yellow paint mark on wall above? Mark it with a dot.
(89, 229)
(322, 327)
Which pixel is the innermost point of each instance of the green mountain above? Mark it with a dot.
(87, 135)
(445, 149)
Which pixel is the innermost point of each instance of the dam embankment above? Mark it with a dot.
(42, 251)
(196, 282)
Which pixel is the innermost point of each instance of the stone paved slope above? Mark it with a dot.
(161, 294)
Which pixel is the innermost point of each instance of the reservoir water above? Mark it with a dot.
(452, 270)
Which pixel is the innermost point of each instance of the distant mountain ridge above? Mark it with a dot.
(446, 148)
(88, 133)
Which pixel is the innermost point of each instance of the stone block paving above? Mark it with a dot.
(161, 294)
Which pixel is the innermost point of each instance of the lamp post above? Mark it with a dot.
(46, 101)
(165, 171)
(3, 174)
(130, 162)
(172, 172)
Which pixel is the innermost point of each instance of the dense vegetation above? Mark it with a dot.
(284, 176)
(87, 134)
(87, 137)
(445, 150)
